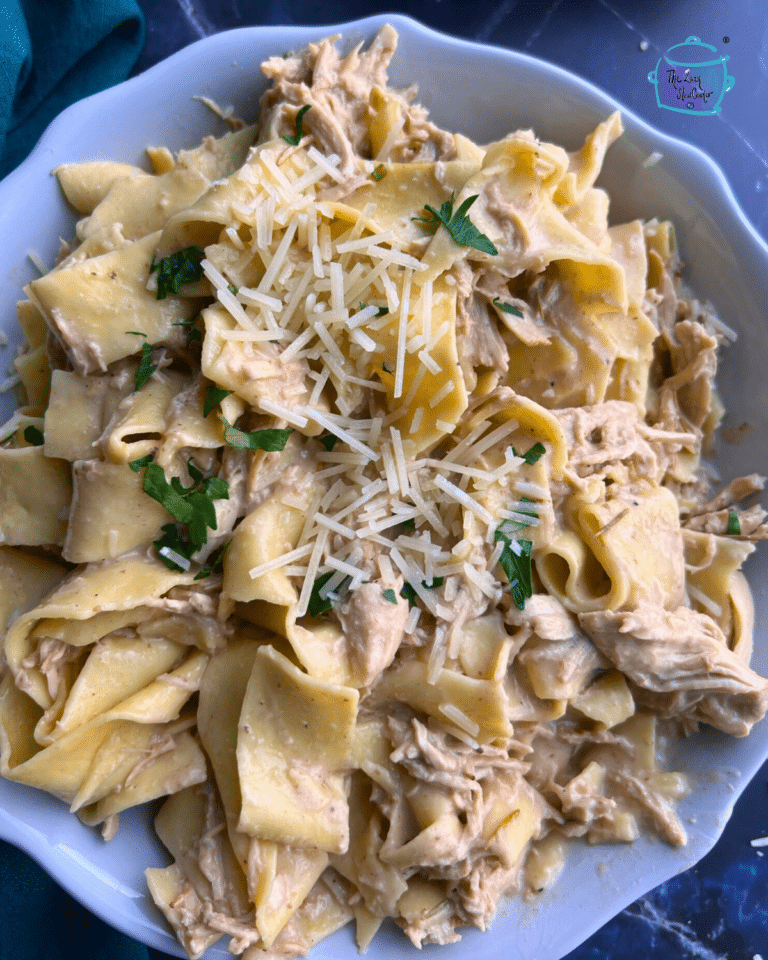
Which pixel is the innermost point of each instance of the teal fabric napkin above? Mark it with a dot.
(54, 52)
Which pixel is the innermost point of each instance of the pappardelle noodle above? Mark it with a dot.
(356, 505)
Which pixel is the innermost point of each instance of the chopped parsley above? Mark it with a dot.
(508, 308)
(515, 557)
(173, 549)
(213, 397)
(379, 172)
(138, 465)
(294, 141)
(217, 565)
(734, 526)
(515, 560)
(318, 603)
(146, 367)
(193, 331)
(34, 436)
(408, 592)
(389, 594)
(184, 266)
(329, 441)
(273, 439)
(458, 224)
(380, 312)
(191, 506)
(533, 455)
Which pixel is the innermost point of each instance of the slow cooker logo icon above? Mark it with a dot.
(691, 77)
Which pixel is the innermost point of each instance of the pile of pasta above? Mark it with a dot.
(356, 505)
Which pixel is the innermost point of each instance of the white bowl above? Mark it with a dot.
(483, 92)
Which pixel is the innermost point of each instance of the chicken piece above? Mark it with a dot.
(604, 434)
(373, 628)
(478, 339)
(694, 362)
(338, 90)
(715, 515)
(681, 659)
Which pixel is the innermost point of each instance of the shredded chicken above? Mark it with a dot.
(682, 660)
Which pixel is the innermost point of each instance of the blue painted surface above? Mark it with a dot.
(718, 910)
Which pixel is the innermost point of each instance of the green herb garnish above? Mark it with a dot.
(273, 439)
(458, 224)
(379, 172)
(217, 565)
(380, 312)
(508, 308)
(321, 604)
(533, 455)
(389, 594)
(409, 593)
(146, 367)
(184, 266)
(34, 436)
(515, 560)
(138, 465)
(213, 397)
(191, 506)
(515, 557)
(734, 526)
(193, 332)
(294, 141)
(173, 549)
(329, 441)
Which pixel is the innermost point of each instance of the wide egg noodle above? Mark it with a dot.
(435, 419)
(138, 423)
(96, 530)
(108, 744)
(584, 165)
(34, 373)
(90, 603)
(394, 193)
(458, 583)
(85, 185)
(201, 222)
(87, 304)
(713, 566)
(35, 498)
(79, 409)
(187, 819)
(25, 579)
(639, 550)
(293, 744)
(272, 869)
(253, 370)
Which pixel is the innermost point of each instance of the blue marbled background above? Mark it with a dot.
(718, 910)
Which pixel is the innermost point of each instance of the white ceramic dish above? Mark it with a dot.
(483, 92)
